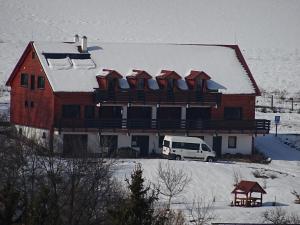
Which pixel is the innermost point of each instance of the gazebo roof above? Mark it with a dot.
(248, 186)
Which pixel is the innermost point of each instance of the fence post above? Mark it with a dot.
(272, 102)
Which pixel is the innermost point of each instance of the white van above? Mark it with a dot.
(181, 147)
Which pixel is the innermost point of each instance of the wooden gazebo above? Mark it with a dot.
(243, 194)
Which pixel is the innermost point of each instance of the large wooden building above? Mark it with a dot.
(79, 96)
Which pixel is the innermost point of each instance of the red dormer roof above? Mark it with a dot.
(245, 187)
(111, 74)
(168, 74)
(197, 74)
(139, 74)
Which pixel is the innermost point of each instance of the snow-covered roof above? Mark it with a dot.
(72, 71)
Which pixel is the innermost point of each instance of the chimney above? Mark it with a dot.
(84, 44)
(76, 38)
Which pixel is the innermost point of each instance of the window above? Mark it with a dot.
(140, 84)
(31, 104)
(166, 143)
(176, 144)
(160, 141)
(26, 104)
(191, 146)
(24, 79)
(89, 112)
(32, 82)
(170, 84)
(232, 113)
(232, 142)
(198, 85)
(205, 148)
(41, 82)
(71, 111)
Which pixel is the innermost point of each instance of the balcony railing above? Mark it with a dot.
(161, 124)
(157, 97)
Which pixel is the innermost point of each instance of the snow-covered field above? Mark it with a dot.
(216, 180)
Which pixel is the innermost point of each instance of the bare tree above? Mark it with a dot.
(38, 187)
(297, 196)
(201, 212)
(171, 181)
(169, 217)
(237, 177)
(280, 216)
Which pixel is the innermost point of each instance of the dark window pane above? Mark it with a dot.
(205, 148)
(191, 146)
(177, 145)
(89, 112)
(31, 104)
(32, 82)
(232, 113)
(41, 82)
(140, 84)
(24, 79)
(71, 111)
(166, 143)
(232, 142)
(26, 103)
(160, 141)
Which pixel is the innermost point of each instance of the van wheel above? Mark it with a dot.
(210, 159)
(177, 157)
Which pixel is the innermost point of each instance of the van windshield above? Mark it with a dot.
(205, 148)
(166, 143)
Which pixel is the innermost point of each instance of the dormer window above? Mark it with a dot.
(111, 84)
(198, 84)
(140, 85)
(170, 84)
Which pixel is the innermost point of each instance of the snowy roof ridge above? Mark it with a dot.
(221, 62)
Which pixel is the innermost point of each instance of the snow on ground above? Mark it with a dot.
(216, 180)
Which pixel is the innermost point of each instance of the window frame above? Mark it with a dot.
(228, 113)
(234, 141)
(41, 80)
(64, 111)
(24, 80)
(86, 112)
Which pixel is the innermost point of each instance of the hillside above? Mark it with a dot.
(215, 180)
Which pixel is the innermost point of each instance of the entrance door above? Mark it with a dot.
(141, 142)
(217, 145)
(74, 144)
(108, 144)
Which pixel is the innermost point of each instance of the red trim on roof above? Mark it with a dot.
(112, 74)
(140, 74)
(20, 62)
(167, 74)
(197, 74)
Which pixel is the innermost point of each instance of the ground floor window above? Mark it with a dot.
(160, 141)
(75, 144)
(108, 144)
(232, 141)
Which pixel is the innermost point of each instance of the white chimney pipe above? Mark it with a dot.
(84, 44)
(76, 38)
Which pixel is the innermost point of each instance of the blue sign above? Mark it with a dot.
(277, 119)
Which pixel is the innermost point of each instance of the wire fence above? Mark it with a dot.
(278, 104)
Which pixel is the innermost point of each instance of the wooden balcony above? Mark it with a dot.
(253, 126)
(157, 97)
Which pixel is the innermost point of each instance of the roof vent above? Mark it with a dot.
(84, 44)
(76, 38)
